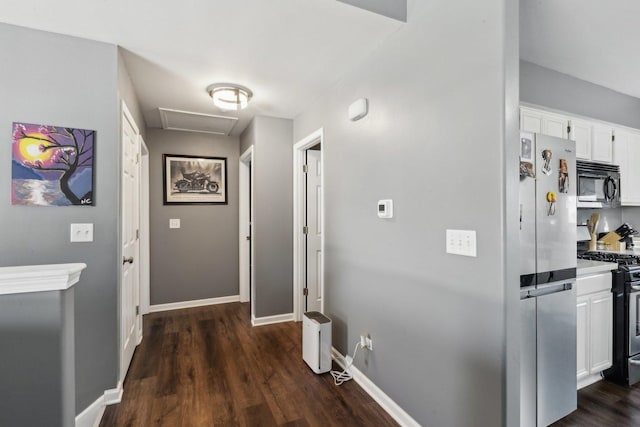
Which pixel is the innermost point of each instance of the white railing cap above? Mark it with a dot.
(39, 278)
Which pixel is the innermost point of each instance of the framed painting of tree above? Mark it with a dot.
(52, 165)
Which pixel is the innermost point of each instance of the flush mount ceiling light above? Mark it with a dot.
(229, 96)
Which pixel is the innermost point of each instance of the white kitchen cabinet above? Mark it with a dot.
(581, 134)
(545, 123)
(594, 141)
(583, 337)
(601, 331)
(594, 332)
(602, 145)
(626, 153)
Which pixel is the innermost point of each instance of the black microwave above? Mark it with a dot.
(598, 185)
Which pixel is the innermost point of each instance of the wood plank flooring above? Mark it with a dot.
(605, 404)
(208, 367)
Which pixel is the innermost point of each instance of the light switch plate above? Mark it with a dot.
(461, 242)
(174, 223)
(81, 233)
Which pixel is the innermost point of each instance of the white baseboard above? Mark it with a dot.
(195, 303)
(92, 415)
(268, 320)
(113, 395)
(591, 379)
(392, 408)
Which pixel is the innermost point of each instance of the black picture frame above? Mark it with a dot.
(194, 180)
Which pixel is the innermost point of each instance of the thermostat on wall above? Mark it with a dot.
(385, 208)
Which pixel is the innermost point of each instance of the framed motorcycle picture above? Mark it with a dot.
(194, 180)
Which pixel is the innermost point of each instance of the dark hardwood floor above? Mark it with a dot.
(605, 404)
(208, 367)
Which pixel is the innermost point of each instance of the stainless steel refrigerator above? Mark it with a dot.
(548, 277)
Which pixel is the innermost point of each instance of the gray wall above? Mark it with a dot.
(610, 219)
(200, 259)
(248, 136)
(37, 370)
(549, 88)
(631, 215)
(272, 139)
(438, 140)
(59, 80)
(127, 93)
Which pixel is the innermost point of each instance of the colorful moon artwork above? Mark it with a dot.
(52, 165)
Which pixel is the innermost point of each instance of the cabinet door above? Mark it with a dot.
(621, 158)
(601, 331)
(545, 123)
(601, 146)
(582, 337)
(633, 169)
(581, 134)
(555, 125)
(530, 120)
(627, 154)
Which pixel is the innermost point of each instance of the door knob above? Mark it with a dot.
(248, 237)
(127, 260)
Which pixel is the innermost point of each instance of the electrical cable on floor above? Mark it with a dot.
(340, 377)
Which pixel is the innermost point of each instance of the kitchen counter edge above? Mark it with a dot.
(587, 267)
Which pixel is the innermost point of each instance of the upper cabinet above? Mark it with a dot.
(581, 134)
(602, 144)
(537, 121)
(626, 153)
(593, 139)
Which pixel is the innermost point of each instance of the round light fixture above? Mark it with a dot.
(230, 96)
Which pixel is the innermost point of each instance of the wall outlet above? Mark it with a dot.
(366, 342)
(369, 343)
(174, 223)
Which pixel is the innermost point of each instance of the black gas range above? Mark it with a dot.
(631, 261)
(626, 314)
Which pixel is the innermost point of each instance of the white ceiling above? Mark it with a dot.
(290, 51)
(287, 51)
(594, 40)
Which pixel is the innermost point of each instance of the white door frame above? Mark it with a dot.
(246, 185)
(126, 115)
(145, 258)
(298, 221)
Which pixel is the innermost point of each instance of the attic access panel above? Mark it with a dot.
(196, 122)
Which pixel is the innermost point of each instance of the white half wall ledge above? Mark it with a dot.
(39, 278)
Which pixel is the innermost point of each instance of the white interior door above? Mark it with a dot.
(314, 231)
(143, 238)
(129, 291)
(246, 217)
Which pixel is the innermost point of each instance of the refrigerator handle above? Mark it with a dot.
(551, 289)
